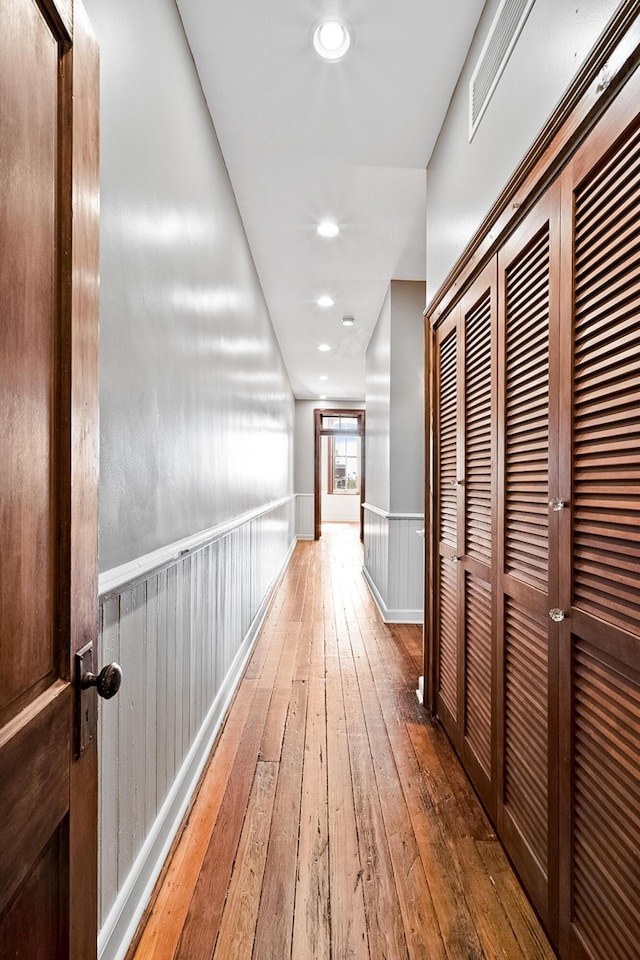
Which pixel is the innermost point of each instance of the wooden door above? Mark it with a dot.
(526, 584)
(448, 529)
(600, 543)
(48, 471)
(465, 458)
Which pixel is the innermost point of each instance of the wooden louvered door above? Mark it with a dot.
(448, 525)
(526, 581)
(465, 469)
(600, 546)
(477, 326)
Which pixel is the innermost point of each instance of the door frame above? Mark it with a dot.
(318, 414)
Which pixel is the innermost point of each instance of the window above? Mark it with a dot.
(344, 465)
(339, 423)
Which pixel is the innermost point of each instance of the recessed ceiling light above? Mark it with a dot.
(348, 321)
(324, 347)
(322, 396)
(328, 229)
(323, 378)
(331, 39)
(325, 301)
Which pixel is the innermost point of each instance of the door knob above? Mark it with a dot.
(556, 615)
(107, 682)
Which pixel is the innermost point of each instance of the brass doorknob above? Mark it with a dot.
(107, 682)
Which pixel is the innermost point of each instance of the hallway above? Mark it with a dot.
(333, 820)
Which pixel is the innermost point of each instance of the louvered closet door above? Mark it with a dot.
(448, 525)
(465, 467)
(526, 571)
(600, 640)
(477, 326)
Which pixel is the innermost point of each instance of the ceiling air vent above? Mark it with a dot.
(505, 30)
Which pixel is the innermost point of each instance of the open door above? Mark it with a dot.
(336, 423)
(48, 478)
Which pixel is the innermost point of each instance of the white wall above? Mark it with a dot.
(464, 179)
(378, 398)
(393, 553)
(407, 397)
(196, 490)
(196, 407)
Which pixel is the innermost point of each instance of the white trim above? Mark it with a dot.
(392, 516)
(420, 690)
(124, 917)
(112, 581)
(390, 616)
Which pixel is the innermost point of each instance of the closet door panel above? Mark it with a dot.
(479, 417)
(526, 544)
(600, 651)
(526, 570)
(465, 507)
(448, 638)
(448, 623)
(478, 332)
(478, 617)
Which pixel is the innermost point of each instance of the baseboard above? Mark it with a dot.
(124, 917)
(390, 615)
(304, 536)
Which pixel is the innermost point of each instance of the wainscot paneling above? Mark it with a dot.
(305, 516)
(181, 623)
(394, 563)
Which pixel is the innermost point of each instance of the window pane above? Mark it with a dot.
(351, 446)
(330, 423)
(348, 423)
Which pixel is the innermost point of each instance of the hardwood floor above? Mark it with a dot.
(334, 821)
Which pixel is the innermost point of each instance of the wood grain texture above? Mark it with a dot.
(243, 899)
(48, 474)
(361, 838)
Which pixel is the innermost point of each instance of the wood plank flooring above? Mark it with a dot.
(333, 821)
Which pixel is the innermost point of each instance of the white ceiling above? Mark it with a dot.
(306, 140)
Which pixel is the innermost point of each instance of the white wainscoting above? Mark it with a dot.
(305, 516)
(394, 563)
(182, 623)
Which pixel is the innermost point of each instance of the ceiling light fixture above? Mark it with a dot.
(348, 321)
(331, 39)
(322, 396)
(328, 229)
(323, 377)
(324, 347)
(325, 301)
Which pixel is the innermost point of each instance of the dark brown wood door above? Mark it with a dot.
(526, 586)
(448, 525)
(600, 546)
(48, 443)
(465, 470)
